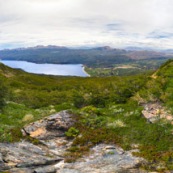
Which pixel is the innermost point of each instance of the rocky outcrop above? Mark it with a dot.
(155, 111)
(50, 127)
(48, 155)
(27, 158)
(25, 155)
(104, 159)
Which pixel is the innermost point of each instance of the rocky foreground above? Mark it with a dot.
(48, 155)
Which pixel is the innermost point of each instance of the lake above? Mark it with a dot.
(48, 69)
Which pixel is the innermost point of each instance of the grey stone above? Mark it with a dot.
(25, 154)
(100, 162)
(48, 169)
(50, 127)
(1, 161)
(23, 170)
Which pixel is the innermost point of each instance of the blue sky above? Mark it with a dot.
(116, 23)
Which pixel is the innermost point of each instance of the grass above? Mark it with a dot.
(106, 110)
(126, 69)
(125, 127)
(14, 116)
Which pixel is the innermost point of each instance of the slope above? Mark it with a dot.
(106, 109)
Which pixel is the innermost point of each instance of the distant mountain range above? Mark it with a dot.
(99, 56)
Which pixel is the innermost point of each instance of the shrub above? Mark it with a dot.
(72, 132)
(28, 117)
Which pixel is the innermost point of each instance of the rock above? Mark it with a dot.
(47, 156)
(50, 127)
(97, 162)
(47, 169)
(58, 145)
(2, 165)
(60, 165)
(155, 111)
(50, 131)
(1, 161)
(132, 171)
(109, 148)
(23, 170)
(36, 163)
(66, 170)
(26, 155)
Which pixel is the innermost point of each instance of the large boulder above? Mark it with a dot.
(50, 127)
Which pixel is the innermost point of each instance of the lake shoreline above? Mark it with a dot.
(83, 68)
(77, 70)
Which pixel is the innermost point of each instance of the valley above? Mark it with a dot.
(106, 110)
(86, 86)
(98, 61)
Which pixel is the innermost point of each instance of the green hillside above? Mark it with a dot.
(107, 109)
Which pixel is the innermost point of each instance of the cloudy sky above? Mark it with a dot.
(117, 23)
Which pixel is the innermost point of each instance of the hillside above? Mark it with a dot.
(63, 55)
(99, 61)
(109, 110)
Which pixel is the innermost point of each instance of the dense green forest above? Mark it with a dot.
(107, 109)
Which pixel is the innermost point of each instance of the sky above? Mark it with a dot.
(75, 23)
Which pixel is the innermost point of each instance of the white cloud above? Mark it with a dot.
(79, 22)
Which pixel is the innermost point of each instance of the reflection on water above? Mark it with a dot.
(51, 69)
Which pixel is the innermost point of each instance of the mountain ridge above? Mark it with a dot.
(93, 57)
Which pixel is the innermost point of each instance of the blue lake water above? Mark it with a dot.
(49, 69)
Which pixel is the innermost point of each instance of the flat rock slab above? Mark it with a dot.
(25, 155)
(104, 159)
